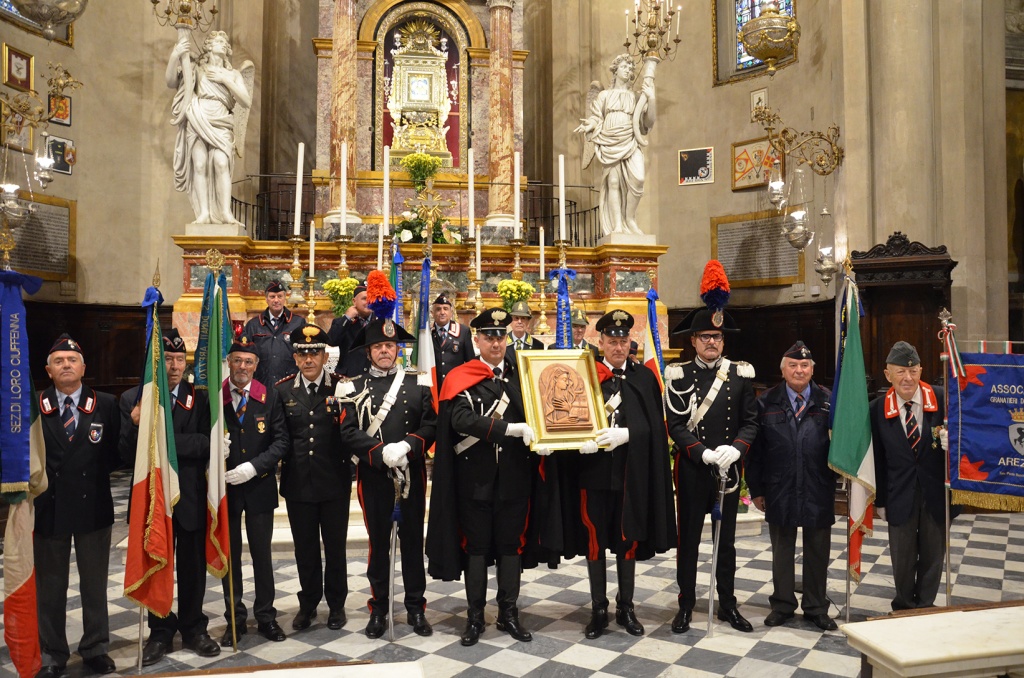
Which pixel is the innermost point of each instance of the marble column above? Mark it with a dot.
(500, 127)
(344, 93)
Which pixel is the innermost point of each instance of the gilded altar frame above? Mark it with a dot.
(552, 424)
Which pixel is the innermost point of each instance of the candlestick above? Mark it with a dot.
(562, 245)
(386, 263)
(561, 196)
(541, 239)
(296, 269)
(344, 187)
(298, 189)
(343, 242)
(542, 322)
(386, 219)
(517, 244)
(312, 247)
(479, 259)
(472, 207)
(310, 301)
(472, 289)
(515, 195)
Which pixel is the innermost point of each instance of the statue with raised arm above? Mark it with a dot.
(211, 111)
(615, 132)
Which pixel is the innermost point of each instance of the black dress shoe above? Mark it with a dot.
(776, 618)
(420, 625)
(735, 619)
(303, 618)
(51, 671)
(472, 633)
(202, 644)
(598, 623)
(101, 664)
(336, 619)
(822, 621)
(375, 627)
(681, 622)
(154, 651)
(227, 641)
(508, 621)
(271, 630)
(626, 618)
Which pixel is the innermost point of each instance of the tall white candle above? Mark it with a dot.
(515, 195)
(386, 220)
(561, 196)
(298, 190)
(312, 247)
(344, 188)
(627, 25)
(542, 280)
(472, 210)
(478, 255)
(679, 10)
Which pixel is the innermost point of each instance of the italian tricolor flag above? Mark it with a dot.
(149, 564)
(212, 324)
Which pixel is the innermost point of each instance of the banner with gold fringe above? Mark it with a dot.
(986, 431)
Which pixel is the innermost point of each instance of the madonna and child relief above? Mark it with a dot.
(564, 398)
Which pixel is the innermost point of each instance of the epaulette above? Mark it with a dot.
(744, 369)
(674, 371)
(288, 378)
(344, 386)
(424, 379)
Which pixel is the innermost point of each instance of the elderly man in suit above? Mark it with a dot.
(453, 342)
(909, 446)
(316, 480)
(519, 337)
(80, 431)
(191, 420)
(259, 440)
(269, 332)
(579, 329)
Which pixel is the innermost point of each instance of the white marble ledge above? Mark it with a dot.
(955, 643)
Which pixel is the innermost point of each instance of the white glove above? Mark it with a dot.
(543, 451)
(944, 440)
(240, 474)
(588, 447)
(395, 453)
(227, 444)
(880, 512)
(521, 431)
(612, 437)
(711, 457)
(729, 455)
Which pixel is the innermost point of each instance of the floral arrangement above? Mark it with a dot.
(413, 228)
(421, 167)
(512, 291)
(341, 293)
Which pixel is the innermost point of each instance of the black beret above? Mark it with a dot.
(443, 299)
(173, 343)
(903, 354)
(65, 343)
(243, 345)
(798, 351)
(274, 286)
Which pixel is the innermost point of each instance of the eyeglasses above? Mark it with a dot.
(248, 362)
(709, 338)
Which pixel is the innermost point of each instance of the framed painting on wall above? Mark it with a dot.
(19, 68)
(60, 109)
(752, 160)
(697, 166)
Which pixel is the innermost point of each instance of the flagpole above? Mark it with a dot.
(231, 593)
(141, 629)
(848, 547)
(945, 316)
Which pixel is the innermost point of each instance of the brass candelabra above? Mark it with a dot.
(343, 243)
(517, 246)
(473, 286)
(296, 269)
(310, 301)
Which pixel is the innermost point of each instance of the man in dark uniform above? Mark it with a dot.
(789, 479)
(269, 332)
(712, 418)
(80, 431)
(343, 334)
(579, 329)
(316, 480)
(910, 477)
(191, 420)
(259, 440)
(388, 425)
(519, 336)
(626, 486)
(452, 341)
(483, 476)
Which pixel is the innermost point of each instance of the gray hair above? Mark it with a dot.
(782, 363)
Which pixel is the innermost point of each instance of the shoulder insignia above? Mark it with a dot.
(45, 406)
(281, 381)
(424, 379)
(673, 371)
(344, 388)
(744, 369)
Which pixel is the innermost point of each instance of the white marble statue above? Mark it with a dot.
(211, 111)
(615, 133)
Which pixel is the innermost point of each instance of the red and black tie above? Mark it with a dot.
(913, 430)
(68, 417)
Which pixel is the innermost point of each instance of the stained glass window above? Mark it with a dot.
(745, 11)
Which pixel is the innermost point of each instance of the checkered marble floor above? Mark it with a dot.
(987, 563)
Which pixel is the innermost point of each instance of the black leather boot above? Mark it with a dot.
(476, 596)
(509, 572)
(624, 615)
(597, 573)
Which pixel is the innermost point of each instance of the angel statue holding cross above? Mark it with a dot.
(211, 111)
(615, 132)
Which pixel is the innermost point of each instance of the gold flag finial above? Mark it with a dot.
(156, 274)
(214, 260)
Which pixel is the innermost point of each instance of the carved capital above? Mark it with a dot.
(496, 4)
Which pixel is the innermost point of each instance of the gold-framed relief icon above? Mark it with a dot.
(562, 397)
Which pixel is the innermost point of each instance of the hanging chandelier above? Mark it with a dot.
(770, 37)
(186, 13)
(50, 14)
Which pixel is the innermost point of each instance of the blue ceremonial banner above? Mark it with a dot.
(986, 432)
(563, 307)
(15, 384)
(202, 348)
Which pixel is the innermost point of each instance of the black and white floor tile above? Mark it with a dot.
(987, 564)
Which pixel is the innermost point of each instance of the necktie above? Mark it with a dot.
(617, 379)
(242, 402)
(800, 405)
(68, 417)
(312, 390)
(913, 431)
(497, 372)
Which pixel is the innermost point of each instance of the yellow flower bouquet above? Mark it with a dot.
(341, 293)
(512, 291)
